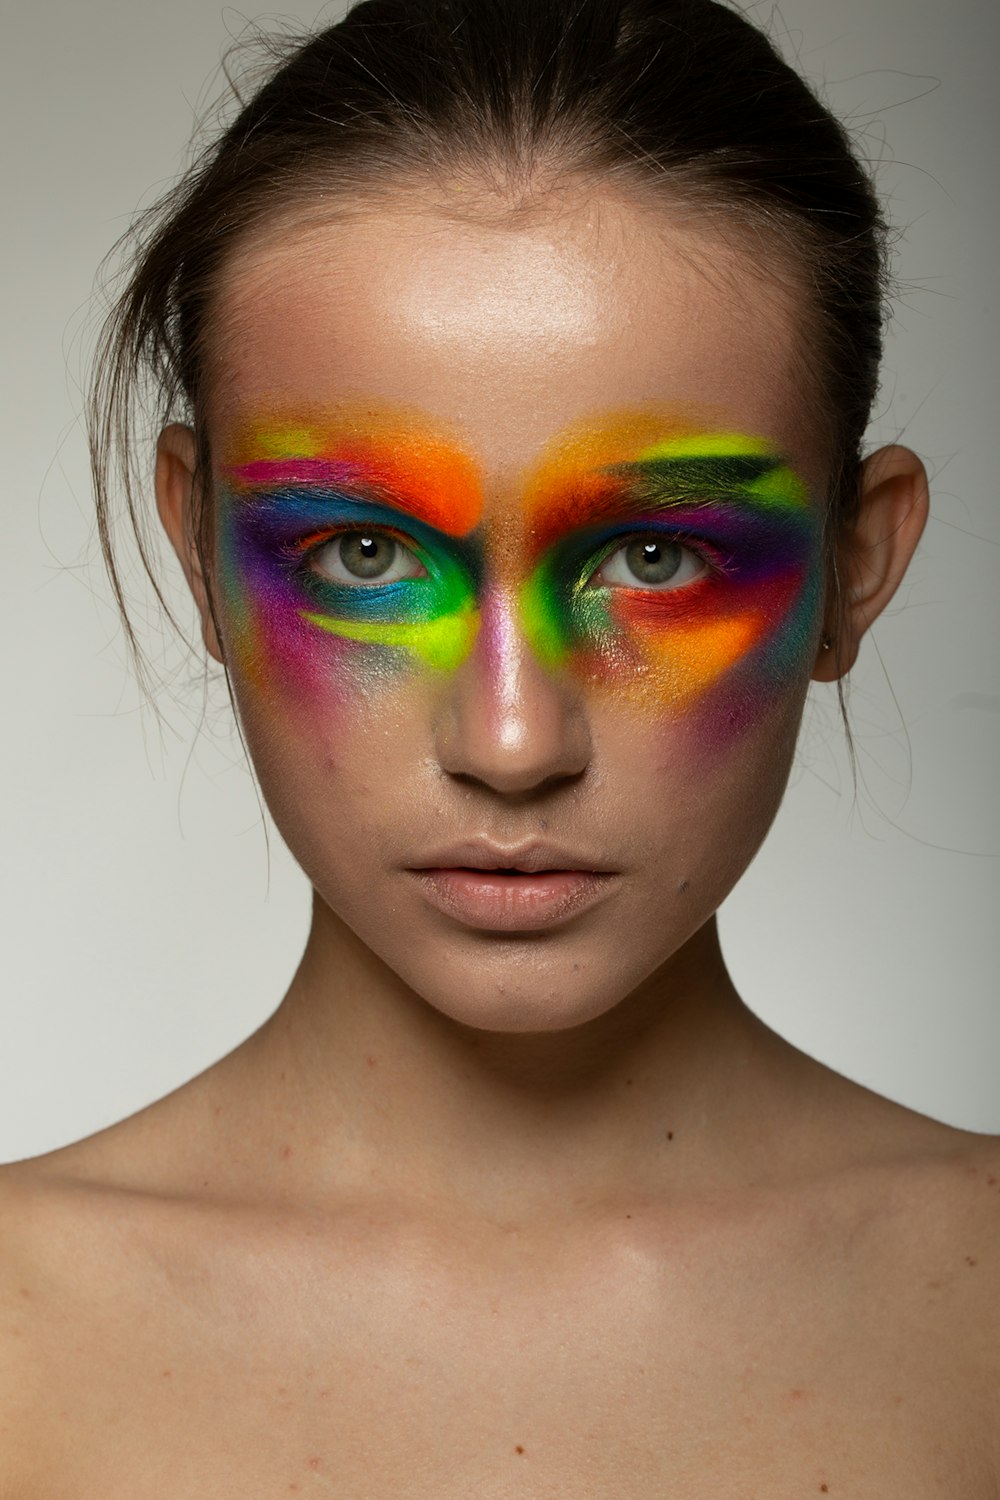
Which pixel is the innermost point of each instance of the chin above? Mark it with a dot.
(517, 1009)
(526, 984)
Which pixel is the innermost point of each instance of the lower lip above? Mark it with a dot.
(499, 902)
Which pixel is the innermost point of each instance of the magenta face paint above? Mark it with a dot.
(344, 548)
(684, 577)
(679, 573)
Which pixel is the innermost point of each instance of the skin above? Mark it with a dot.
(555, 1198)
(507, 341)
(513, 740)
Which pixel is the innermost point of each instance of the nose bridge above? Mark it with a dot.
(509, 720)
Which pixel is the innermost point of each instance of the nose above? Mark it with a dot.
(508, 721)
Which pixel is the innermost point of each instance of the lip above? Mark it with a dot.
(512, 888)
(529, 856)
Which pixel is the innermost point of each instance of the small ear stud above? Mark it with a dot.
(826, 643)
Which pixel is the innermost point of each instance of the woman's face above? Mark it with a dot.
(518, 563)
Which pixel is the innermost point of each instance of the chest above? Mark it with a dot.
(399, 1377)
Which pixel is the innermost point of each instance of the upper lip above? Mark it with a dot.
(530, 857)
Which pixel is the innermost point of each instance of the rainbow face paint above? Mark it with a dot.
(745, 624)
(722, 643)
(292, 489)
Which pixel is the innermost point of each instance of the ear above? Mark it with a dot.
(875, 552)
(176, 454)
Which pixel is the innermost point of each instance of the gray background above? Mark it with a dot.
(146, 929)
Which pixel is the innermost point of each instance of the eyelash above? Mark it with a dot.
(713, 560)
(301, 551)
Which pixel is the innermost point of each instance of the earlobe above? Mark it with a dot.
(874, 552)
(176, 459)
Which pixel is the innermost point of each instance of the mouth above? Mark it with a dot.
(504, 890)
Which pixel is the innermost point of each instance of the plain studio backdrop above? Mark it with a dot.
(147, 927)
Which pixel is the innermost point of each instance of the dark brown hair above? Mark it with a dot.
(681, 97)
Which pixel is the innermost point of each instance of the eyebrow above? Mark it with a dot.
(703, 482)
(761, 481)
(348, 480)
(756, 479)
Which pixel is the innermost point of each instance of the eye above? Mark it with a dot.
(651, 562)
(365, 556)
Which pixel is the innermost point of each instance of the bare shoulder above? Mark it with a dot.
(931, 1183)
(929, 1200)
(958, 1208)
(27, 1229)
(910, 1208)
(945, 1179)
(959, 1213)
(959, 1219)
(901, 1217)
(75, 1226)
(78, 1205)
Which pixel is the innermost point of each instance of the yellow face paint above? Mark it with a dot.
(720, 528)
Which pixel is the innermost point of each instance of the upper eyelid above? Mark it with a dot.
(597, 533)
(710, 556)
(710, 551)
(300, 557)
(682, 514)
(325, 534)
(623, 534)
(302, 554)
(303, 534)
(350, 502)
(681, 511)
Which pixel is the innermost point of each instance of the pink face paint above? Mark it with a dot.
(723, 511)
(717, 623)
(288, 492)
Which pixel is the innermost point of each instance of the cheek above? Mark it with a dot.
(714, 658)
(720, 664)
(282, 661)
(292, 648)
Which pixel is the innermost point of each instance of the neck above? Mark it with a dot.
(357, 1081)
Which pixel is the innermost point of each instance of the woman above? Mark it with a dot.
(515, 361)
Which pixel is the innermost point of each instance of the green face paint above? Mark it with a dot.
(727, 542)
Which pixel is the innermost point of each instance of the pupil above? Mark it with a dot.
(653, 562)
(366, 556)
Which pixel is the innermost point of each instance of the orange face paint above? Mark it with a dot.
(392, 460)
(291, 485)
(724, 498)
(723, 632)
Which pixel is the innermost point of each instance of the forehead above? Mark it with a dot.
(510, 330)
